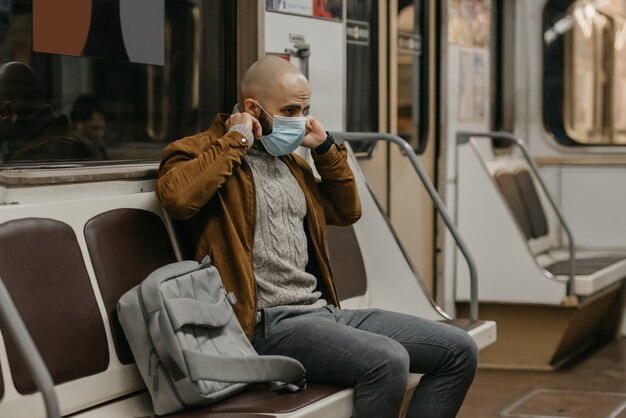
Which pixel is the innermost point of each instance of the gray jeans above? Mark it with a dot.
(374, 351)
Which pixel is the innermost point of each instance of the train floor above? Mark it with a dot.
(592, 386)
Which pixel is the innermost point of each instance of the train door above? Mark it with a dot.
(366, 89)
(411, 114)
(406, 107)
(466, 106)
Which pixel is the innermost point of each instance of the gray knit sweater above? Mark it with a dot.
(279, 255)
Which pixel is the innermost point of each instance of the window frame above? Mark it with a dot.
(557, 77)
(244, 35)
(422, 93)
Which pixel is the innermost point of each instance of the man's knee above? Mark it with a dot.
(467, 351)
(399, 361)
(391, 364)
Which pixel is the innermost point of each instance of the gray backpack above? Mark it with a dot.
(188, 344)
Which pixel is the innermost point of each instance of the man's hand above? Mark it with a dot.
(249, 121)
(315, 134)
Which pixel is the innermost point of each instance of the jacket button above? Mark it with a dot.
(244, 140)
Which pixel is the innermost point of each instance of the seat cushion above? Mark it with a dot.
(259, 400)
(125, 246)
(537, 216)
(347, 262)
(43, 269)
(512, 195)
(583, 266)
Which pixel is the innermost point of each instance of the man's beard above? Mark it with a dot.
(266, 129)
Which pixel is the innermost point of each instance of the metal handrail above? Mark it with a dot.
(464, 137)
(434, 196)
(17, 330)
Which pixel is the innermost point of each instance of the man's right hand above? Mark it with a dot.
(248, 121)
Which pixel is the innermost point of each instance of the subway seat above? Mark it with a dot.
(76, 258)
(523, 265)
(594, 270)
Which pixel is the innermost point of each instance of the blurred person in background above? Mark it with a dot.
(30, 130)
(89, 119)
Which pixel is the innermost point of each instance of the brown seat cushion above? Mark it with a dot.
(514, 199)
(583, 266)
(43, 268)
(259, 400)
(538, 222)
(347, 262)
(125, 246)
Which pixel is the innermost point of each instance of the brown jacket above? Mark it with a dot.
(205, 180)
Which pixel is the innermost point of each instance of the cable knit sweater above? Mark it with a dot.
(279, 255)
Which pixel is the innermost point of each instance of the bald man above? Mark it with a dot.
(29, 128)
(257, 210)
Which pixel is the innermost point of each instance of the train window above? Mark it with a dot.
(66, 108)
(362, 65)
(412, 73)
(585, 71)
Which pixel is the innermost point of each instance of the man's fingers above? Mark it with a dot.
(256, 128)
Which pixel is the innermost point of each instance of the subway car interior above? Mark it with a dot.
(487, 139)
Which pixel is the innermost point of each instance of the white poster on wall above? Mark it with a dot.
(473, 100)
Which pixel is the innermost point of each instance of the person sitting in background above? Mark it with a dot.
(30, 130)
(89, 118)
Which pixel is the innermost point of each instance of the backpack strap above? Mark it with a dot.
(287, 373)
(154, 330)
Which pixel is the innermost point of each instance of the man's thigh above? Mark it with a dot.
(330, 351)
(429, 343)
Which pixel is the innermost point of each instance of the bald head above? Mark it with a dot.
(21, 86)
(267, 76)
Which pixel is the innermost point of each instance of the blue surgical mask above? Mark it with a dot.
(287, 134)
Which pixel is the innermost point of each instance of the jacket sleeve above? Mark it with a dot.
(337, 187)
(194, 168)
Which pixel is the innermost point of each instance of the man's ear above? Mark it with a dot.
(251, 107)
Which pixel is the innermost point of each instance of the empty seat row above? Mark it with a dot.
(514, 230)
(518, 189)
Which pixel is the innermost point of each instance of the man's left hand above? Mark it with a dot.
(315, 134)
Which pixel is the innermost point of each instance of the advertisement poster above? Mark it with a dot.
(473, 100)
(321, 9)
(469, 22)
